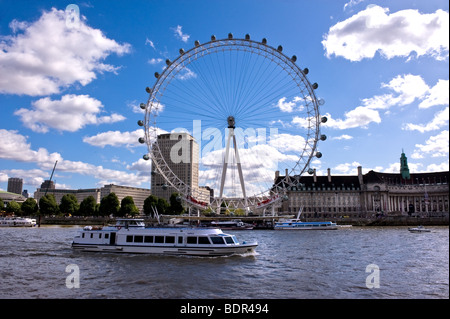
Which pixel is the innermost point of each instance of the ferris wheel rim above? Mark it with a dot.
(197, 52)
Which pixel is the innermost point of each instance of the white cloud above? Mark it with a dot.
(150, 43)
(435, 146)
(402, 33)
(115, 138)
(352, 3)
(407, 89)
(347, 168)
(180, 35)
(437, 95)
(342, 137)
(154, 61)
(71, 113)
(15, 147)
(359, 117)
(440, 120)
(48, 55)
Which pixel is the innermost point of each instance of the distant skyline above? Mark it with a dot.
(70, 88)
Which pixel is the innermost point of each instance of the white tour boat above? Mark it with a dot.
(131, 236)
(297, 224)
(17, 222)
(419, 229)
(235, 224)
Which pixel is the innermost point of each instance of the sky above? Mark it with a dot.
(70, 88)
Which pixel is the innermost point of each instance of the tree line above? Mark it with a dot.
(109, 205)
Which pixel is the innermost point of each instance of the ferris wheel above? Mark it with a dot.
(246, 109)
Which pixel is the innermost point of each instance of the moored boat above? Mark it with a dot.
(131, 236)
(297, 224)
(17, 222)
(235, 224)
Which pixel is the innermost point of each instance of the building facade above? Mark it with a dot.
(180, 151)
(367, 195)
(15, 185)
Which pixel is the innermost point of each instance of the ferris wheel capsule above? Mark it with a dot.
(156, 75)
(164, 186)
(280, 48)
(213, 38)
(247, 36)
(141, 140)
(230, 35)
(181, 51)
(197, 43)
(324, 119)
(294, 58)
(305, 71)
(323, 137)
(318, 154)
(264, 41)
(142, 106)
(310, 171)
(140, 123)
(146, 157)
(148, 90)
(315, 86)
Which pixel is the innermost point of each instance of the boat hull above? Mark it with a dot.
(164, 250)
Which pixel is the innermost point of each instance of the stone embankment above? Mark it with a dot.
(379, 221)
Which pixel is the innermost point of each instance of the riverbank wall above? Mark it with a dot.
(257, 220)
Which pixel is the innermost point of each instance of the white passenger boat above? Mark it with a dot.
(419, 229)
(131, 236)
(235, 224)
(17, 222)
(297, 224)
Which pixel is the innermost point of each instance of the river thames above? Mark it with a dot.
(349, 263)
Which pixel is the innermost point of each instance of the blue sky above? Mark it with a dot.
(71, 93)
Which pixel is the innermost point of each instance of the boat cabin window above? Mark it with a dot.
(217, 240)
(203, 240)
(192, 240)
(180, 240)
(159, 239)
(148, 239)
(129, 239)
(170, 240)
(229, 240)
(138, 239)
(106, 236)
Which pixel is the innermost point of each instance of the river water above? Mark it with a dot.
(349, 263)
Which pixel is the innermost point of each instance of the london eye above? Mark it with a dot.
(251, 110)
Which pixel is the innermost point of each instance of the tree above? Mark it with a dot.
(176, 206)
(127, 207)
(88, 207)
(160, 204)
(69, 204)
(2, 205)
(29, 207)
(149, 202)
(109, 205)
(48, 205)
(13, 207)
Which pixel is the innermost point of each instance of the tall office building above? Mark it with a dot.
(15, 185)
(181, 153)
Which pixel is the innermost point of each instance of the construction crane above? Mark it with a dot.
(48, 185)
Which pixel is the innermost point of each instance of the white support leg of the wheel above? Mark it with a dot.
(225, 165)
(241, 177)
